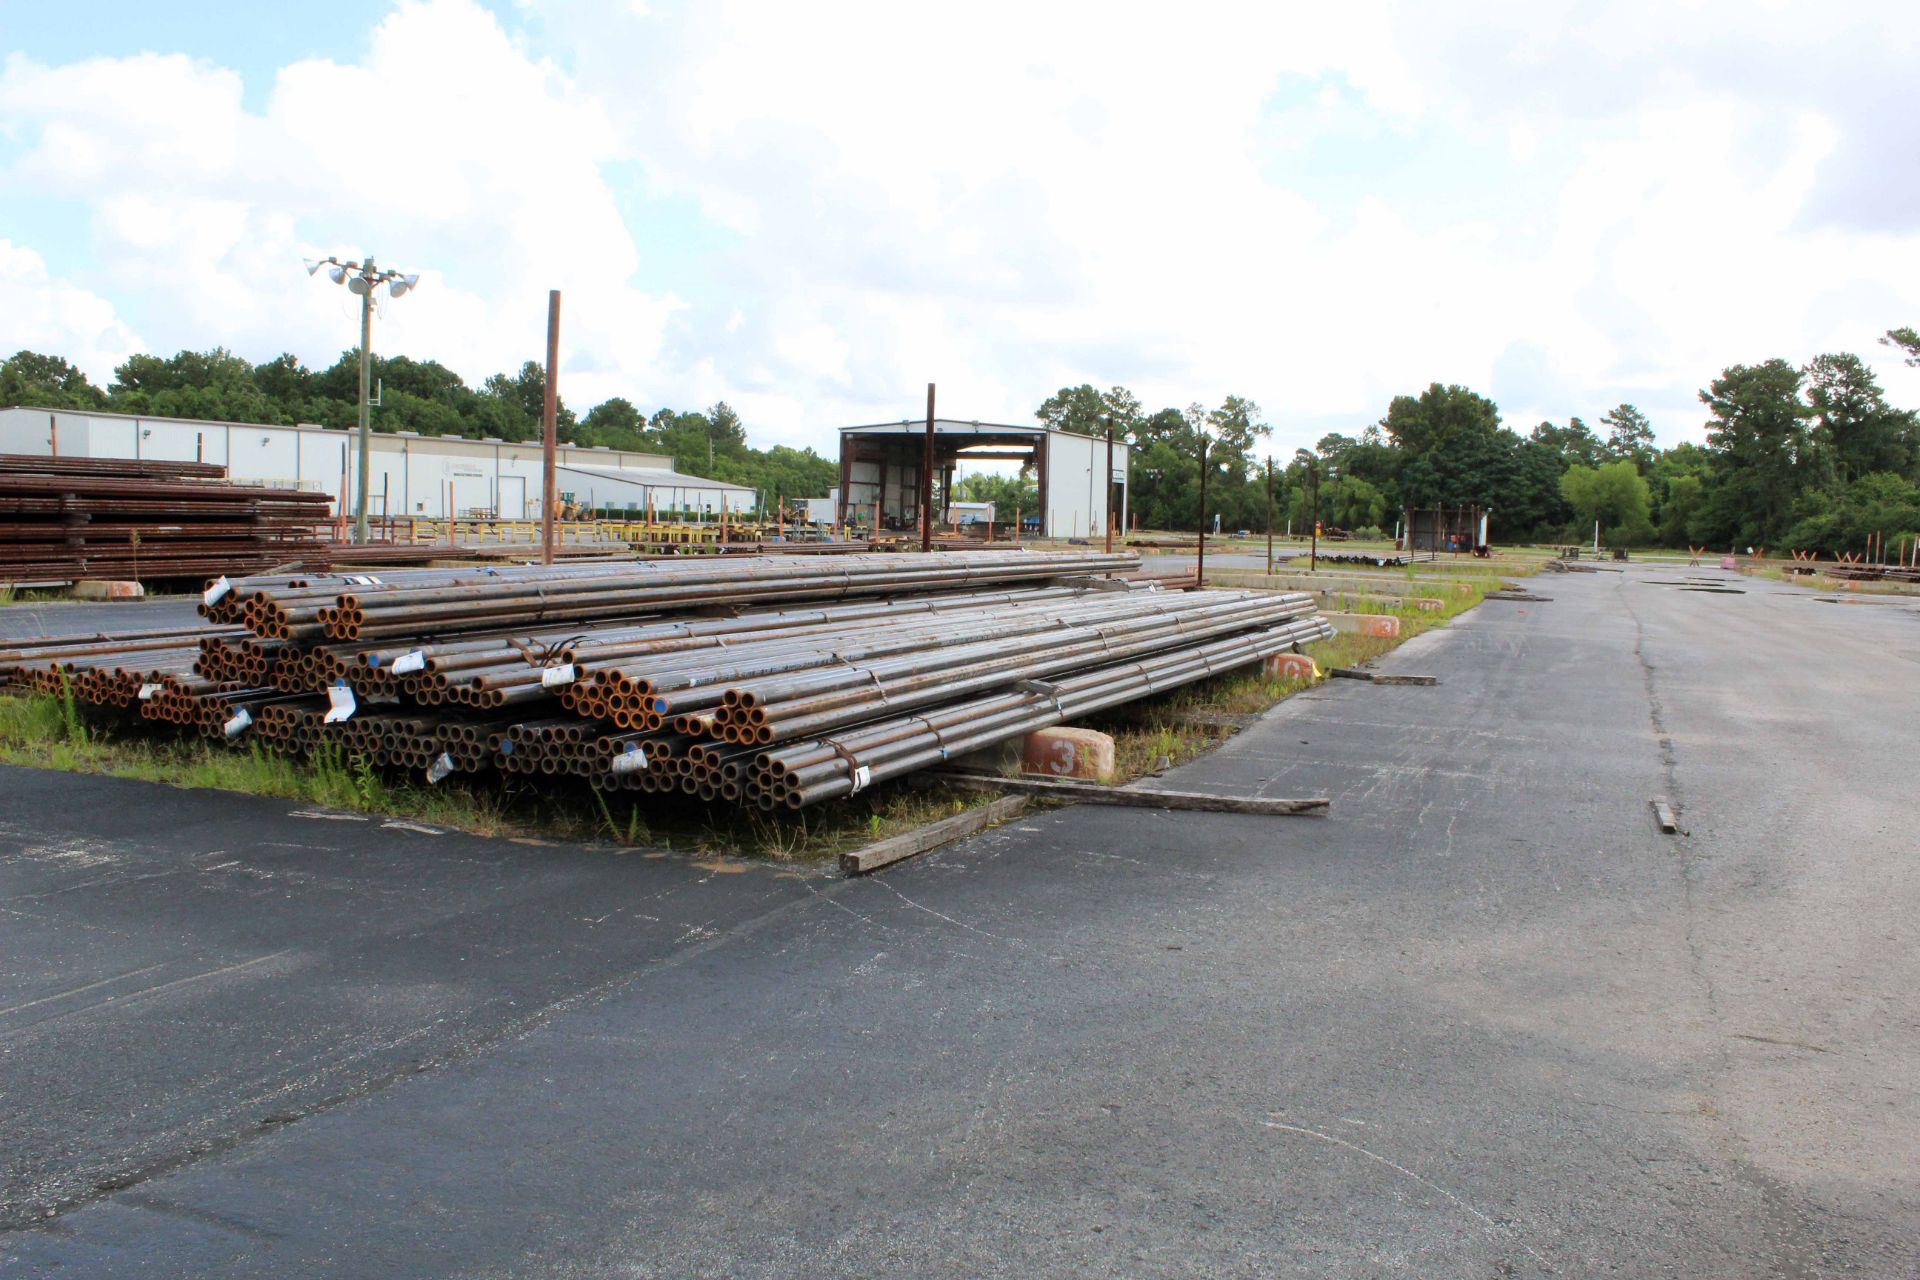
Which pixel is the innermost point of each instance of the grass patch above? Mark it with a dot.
(41, 732)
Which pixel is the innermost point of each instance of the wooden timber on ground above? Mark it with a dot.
(1663, 815)
(1381, 678)
(884, 853)
(1092, 793)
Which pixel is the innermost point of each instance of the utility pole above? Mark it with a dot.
(1200, 563)
(366, 404)
(1269, 515)
(1109, 486)
(550, 429)
(1313, 556)
(362, 279)
(926, 481)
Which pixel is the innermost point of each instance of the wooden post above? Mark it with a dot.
(550, 433)
(1269, 515)
(1313, 557)
(926, 481)
(1016, 526)
(1200, 562)
(1109, 485)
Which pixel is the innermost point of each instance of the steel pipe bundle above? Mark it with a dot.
(436, 601)
(776, 684)
(808, 772)
(62, 519)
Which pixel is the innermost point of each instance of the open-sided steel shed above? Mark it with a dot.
(880, 469)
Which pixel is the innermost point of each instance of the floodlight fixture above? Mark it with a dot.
(361, 279)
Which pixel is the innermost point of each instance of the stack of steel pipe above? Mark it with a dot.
(775, 685)
(439, 601)
(63, 519)
(807, 772)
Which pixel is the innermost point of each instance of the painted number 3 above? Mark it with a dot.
(1064, 757)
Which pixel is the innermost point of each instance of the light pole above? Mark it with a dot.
(362, 279)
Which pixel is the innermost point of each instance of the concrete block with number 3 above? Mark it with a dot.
(1062, 752)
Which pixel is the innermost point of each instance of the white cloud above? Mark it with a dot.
(56, 317)
(446, 150)
(1316, 206)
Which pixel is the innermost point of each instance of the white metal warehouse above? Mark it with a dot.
(408, 474)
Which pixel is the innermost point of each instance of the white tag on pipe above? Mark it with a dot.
(629, 761)
(213, 593)
(440, 768)
(411, 660)
(147, 691)
(554, 676)
(861, 777)
(238, 725)
(340, 698)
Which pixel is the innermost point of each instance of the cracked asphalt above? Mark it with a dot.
(1481, 1020)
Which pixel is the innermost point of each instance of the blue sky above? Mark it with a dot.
(812, 211)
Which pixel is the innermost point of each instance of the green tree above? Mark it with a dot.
(1077, 409)
(216, 385)
(615, 423)
(1629, 436)
(1455, 451)
(1880, 506)
(47, 382)
(1907, 341)
(522, 401)
(1758, 438)
(1575, 442)
(1008, 494)
(1616, 495)
(1685, 496)
(725, 428)
(1855, 431)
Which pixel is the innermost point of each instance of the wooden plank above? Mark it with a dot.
(1376, 677)
(1663, 814)
(884, 853)
(1090, 793)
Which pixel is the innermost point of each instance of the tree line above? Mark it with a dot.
(1810, 457)
(415, 395)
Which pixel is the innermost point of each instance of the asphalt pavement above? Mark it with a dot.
(1481, 1020)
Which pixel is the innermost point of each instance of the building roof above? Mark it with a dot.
(652, 478)
(987, 432)
(948, 426)
(347, 432)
